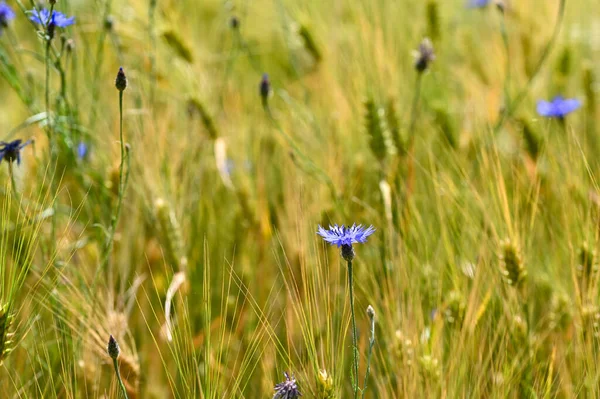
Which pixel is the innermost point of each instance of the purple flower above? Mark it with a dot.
(42, 17)
(12, 150)
(343, 235)
(478, 3)
(287, 389)
(6, 15)
(559, 107)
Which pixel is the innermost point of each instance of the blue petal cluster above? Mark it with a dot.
(11, 150)
(559, 107)
(478, 3)
(42, 17)
(6, 15)
(342, 235)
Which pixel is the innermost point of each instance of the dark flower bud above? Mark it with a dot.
(51, 30)
(371, 312)
(501, 6)
(109, 22)
(347, 252)
(265, 89)
(70, 45)
(424, 56)
(234, 22)
(121, 81)
(113, 348)
(52, 2)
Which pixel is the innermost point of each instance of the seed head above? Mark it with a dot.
(287, 389)
(371, 313)
(325, 388)
(113, 348)
(121, 81)
(424, 56)
(512, 263)
(265, 89)
(109, 22)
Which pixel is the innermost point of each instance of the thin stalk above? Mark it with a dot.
(354, 335)
(122, 186)
(410, 172)
(504, 34)
(511, 108)
(116, 365)
(369, 353)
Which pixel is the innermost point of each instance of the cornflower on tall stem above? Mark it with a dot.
(344, 237)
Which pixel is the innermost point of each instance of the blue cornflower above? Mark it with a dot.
(478, 3)
(82, 150)
(287, 389)
(12, 150)
(559, 107)
(6, 15)
(58, 19)
(344, 237)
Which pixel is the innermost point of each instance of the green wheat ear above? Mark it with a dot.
(433, 19)
(6, 320)
(587, 266)
(170, 233)
(178, 45)
(376, 125)
(195, 107)
(309, 43)
(532, 141)
(513, 269)
(393, 123)
(454, 308)
(325, 389)
(560, 312)
(588, 82)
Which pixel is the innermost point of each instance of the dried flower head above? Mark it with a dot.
(121, 81)
(344, 237)
(287, 389)
(265, 88)
(424, 56)
(113, 348)
(11, 151)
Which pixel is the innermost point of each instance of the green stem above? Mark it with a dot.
(354, 335)
(369, 353)
(122, 186)
(116, 364)
(511, 108)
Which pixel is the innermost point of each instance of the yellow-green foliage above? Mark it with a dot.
(214, 281)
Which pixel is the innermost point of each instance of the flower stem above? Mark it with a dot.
(121, 194)
(354, 337)
(116, 365)
(369, 353)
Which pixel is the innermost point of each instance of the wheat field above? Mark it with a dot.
(184, 165)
